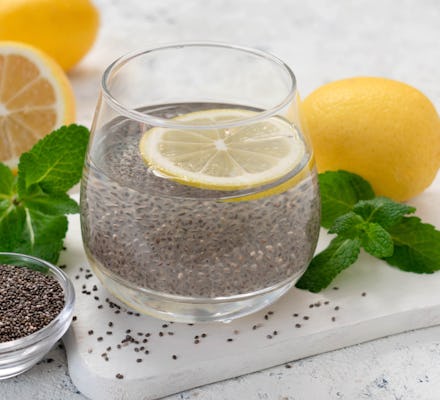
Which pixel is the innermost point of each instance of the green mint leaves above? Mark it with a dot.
(34, 203)
(379, 225)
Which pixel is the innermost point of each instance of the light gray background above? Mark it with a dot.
(322, 41)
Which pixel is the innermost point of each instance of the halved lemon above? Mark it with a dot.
(233, 158)
(35, 98)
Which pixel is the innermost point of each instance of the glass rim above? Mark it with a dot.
(168, 123)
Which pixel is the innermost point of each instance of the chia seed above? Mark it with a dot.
(30, 300)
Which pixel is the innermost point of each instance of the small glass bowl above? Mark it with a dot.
(17, 356)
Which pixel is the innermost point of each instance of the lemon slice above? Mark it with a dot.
(233, 158)
(35, 98)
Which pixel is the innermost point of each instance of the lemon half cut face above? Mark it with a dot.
(235, 158)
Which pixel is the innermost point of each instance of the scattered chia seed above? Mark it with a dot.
(110, 324)
(336, 308)
(288, 366)
(269, 336)
(297, 325)
(90, 332)
(295, 315)
(174, 357)
(335, 288)
(119, 376)
(74, 318)
(161, 334)
(196, 341)
(138, 360)
(100, 339)
(333, 319)
(306, 317)
(326, 302)
(30, 300)
(364, 294)
(230, 339)
(204, 335)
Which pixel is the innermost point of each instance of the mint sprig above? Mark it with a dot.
(379, 225)
(33, 204)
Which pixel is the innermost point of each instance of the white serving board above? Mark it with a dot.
(372, 300)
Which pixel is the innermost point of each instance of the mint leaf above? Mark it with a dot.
(382, 210)
(54, 204)
(31, 232)
(12, 222)
(378, 224)
(416, 246)
(376, 240)
(6, 181)
(55, 163)
(325, 266)
(42, 235)
(340, 191)
(347, 225)
(32, 206)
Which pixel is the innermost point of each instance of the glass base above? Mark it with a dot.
(191, 309)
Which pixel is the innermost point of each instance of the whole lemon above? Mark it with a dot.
(64, 29)
(384, 130)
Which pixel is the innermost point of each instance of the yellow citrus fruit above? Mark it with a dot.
(384, 130)
(35, 98)
(232, 158)
(64, 29)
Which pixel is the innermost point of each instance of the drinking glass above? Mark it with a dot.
(199, 199)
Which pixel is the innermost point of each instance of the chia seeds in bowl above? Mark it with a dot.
(36, 309)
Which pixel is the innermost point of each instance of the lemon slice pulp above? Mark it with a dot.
(233, 158)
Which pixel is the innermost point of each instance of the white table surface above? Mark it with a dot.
(322, 41)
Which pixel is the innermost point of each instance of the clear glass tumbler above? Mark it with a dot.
(199, 200)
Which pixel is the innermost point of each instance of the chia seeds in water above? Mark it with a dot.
(29, 300)
(181, 240)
